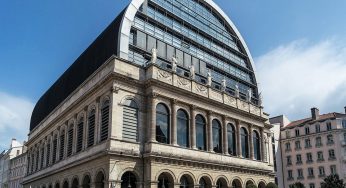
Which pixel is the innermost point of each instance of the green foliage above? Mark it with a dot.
(271, 185)
(297, 185)
(333, 181)
(251, 186)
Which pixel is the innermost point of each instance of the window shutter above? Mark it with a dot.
(130, 124)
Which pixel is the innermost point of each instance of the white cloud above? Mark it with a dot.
(301, 75)
(15, 113)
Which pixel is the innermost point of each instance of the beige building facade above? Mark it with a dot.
(125, 116)
(313, 148)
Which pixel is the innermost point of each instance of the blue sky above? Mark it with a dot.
(288, 39)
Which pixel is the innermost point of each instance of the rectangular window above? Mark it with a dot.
(151, 43)
(318, 141)
(288, 135)
(288, 146)
(290, 174)
(297, 145)
(141, 40)
(297, 132)
(195, 62)
(321, 171)
(331, 154)
(289, 160)
(203, 68)
(329, 126)
(187, 60)
(170, 52)
(180, 57)
(311, 172)
(300, 174)
(309, 158)
(320, 156)
(311, 185)
(344, 123)
(307, 143)
(330, 139)
(318, 128)
(307, 130)
(161, 49)
(299, 159)
(333, 169)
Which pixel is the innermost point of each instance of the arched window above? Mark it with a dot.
(244, 142)
(217, 142)
(165, 181)
(57, 185)
(65, 185)
(185, 183)
(162, 124)
(100, 180)
(55, 148)
(80, 130)
(75, 183)
(128, 180)
(202, 183)
(91, 127)
(256, 145)
(104, 120)
(130, 121)
(201, 133)
(86, 182)
(42, 157)
(62, 145)
(70, 140)
(48, 153)
(231, 139)
(182, 128)
(221, 183)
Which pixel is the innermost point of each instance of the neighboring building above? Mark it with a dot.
(278, 122)
(166, 96)
(16, 149)
(313, 148)
(18, 170)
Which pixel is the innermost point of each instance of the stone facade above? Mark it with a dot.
(115, 161)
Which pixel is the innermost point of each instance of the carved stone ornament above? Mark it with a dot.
(164, 76)
(232, 101)
(183, 83)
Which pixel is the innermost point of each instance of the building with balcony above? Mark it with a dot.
(313, 148)
(166, 96)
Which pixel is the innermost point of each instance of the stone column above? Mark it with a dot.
(237, 135)
(262, 145)
(193, 127)
(225, 138)
(152, 122)
(210, 131)
(174, 122)
(252, 154)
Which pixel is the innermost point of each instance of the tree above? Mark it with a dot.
(333, 181)
(297, 185)
(251, 186)
(271, 185)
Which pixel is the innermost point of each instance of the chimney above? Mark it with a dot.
(315, 113)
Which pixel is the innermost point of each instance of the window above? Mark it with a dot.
(329, 126)
(91, 128)
(104, 120)
(344, 123)
(141, 39)
(289, 160)
(55, 144)
(62, 145)
(217, 142)
(318, 128)
(288, 135)
(290, 174)
(331, 154)
(42, 157)
(244, 142)
(80, 130)
(320, 156)
(231, 139)
(182, 128)
(297, 145)
(300, 174)
(307, 143)
(311, 185)
(299, 159)
(310, 172)
(318, 142)
(344, 137)
(333, 169)
(130, 120)
(321, 171)
(288, 146)
(307, 130)
(297, 132)
(70, 140)
(256, 145)
(200, 133)
(48, 153)
(309, 158)
(162, 124)
(330, 139)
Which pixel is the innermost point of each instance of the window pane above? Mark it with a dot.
(182, 129)
(200, 133)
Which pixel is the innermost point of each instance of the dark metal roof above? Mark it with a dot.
(86, 64)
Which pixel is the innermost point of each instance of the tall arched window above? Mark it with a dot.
(41, 157)
(256, 145)
(130, 120)
(62, 145)
(48, 153)
(200, 133)
(104, 120)
(70, 140)
(162, 124)
(217, 142)
(244, 142)
(231, 139)
(182, 128)
(80, 130)
(91, 127)
(55, 145)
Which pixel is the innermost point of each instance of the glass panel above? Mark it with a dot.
(217, 145)
(200, 133)
(162, 124)
(182, 129)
